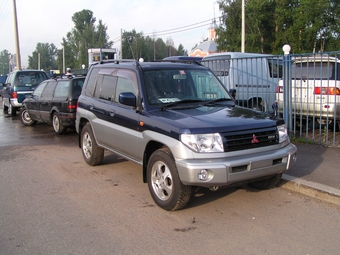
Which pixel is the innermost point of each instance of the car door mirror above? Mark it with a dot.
(127, 98)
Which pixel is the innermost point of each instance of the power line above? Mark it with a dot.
(179, 29)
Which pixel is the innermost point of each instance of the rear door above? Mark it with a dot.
(33, 104)
(45, 101)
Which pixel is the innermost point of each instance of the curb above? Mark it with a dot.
(312, 189)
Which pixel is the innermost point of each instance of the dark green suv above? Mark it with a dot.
(53, 101)
(18, 84)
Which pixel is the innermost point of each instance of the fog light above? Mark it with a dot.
(203, 175)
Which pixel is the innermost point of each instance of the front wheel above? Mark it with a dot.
(164, 184)
(267, 183)
(256, 106)
(92, 153)
(25, 117)
(58, 124)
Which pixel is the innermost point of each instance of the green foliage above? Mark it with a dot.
(85, 35)
(135, 46)
(307, 25)
(45, 53)
(4, 62)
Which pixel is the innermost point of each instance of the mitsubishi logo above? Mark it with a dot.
(254, 139)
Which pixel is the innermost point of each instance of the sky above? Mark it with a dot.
(48, 21)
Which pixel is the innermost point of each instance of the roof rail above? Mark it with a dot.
(117, 61)
(183, 59)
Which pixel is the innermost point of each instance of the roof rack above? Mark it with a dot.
(116, 61)
(184, 59)
(66, 76)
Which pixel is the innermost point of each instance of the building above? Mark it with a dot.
(207, 47)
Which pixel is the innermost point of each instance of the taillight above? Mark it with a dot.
(14, 95)
(71, 106)
(327, 91)
(279, 89)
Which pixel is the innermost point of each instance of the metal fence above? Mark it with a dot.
(304, 89)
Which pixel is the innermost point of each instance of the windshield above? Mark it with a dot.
(176, 85)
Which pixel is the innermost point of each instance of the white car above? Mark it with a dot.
(315, 92)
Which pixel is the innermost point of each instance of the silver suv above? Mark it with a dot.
(180, 124)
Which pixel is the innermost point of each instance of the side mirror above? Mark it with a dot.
(127, 98)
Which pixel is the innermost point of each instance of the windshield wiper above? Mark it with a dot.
(211, 102)
(187, 101)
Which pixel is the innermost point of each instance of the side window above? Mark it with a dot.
(107, 88)
(127, 82)
(37, 92)
(77, 87)
(62, 89)
(91, 82)
(48, 91)
(9, 79)
(123, 85)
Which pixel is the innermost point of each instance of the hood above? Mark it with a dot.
(213, 119)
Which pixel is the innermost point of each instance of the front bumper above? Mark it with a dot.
(226, 171)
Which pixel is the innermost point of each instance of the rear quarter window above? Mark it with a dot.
(62, 89)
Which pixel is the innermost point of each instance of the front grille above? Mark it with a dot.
(250, 139)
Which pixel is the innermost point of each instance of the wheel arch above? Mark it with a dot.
(82, 123)
(150, 148)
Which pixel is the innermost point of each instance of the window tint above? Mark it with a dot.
(37, 92)
(123, 85)
(107, 87)
(91, 82)
(62, 89)
(275, 68)
(313, 70)
(219, 67)
(28, 79)
(77, 87)
(48, 91)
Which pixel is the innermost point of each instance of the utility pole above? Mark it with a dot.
(121, 44)
(243, 29)
(16, 36)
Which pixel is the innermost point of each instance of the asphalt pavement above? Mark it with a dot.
(316, 173)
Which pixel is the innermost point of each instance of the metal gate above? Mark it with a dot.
(304, 89)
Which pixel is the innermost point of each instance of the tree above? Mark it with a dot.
(45, 53)
(307, 25)
(83, 36)
(4, 62)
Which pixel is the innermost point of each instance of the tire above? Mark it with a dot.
(92, 153)
(12, 111)
(256, 106)
(58, 124)
(4, 107)
(164, 184)
(267, 183)
(25, 117)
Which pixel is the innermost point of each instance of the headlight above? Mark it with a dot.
(203, 142)
(283, 134)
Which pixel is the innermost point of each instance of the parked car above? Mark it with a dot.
(53, 101)
(180, 124)
(18, 84)
(315, 89)
(252, 78)
(2, 83)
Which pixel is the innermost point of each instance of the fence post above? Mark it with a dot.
(287, 116)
